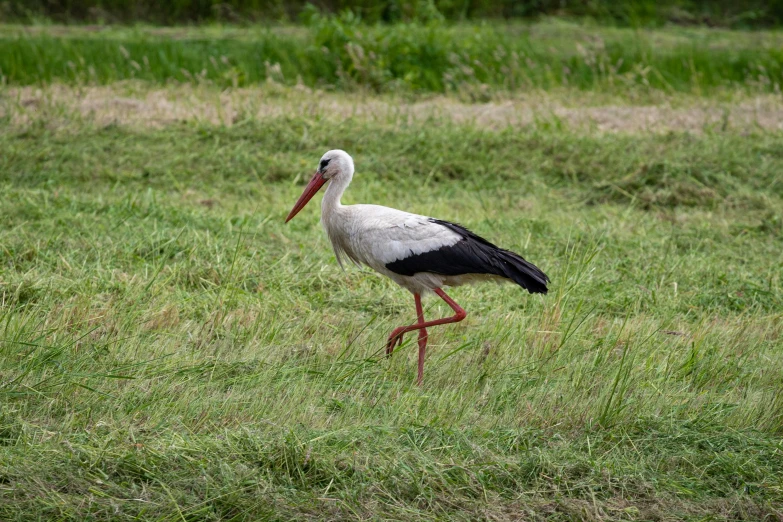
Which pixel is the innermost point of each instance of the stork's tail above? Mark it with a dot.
(525, 274)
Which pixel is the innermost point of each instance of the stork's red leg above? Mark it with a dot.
(395, 337)
(422, 339)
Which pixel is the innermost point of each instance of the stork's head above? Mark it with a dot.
(336, 165)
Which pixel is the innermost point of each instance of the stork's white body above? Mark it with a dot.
(376, 236)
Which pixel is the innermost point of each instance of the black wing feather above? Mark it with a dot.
(473, 255)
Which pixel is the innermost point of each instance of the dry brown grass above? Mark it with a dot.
(138, 105)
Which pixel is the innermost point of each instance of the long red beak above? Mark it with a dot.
(316, 183)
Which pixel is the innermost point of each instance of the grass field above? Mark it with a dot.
(172, 351)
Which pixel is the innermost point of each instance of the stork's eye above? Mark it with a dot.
(324, 163)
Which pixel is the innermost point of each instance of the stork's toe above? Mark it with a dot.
(395, 339)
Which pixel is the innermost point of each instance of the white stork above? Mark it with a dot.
(419, 253)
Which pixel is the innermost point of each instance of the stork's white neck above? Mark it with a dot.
(331, 202)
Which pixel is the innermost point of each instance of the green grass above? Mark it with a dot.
(172, 351)
(341, 54)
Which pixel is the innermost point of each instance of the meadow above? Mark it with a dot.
(171, 350)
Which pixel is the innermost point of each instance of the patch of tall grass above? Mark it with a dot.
(342, 54)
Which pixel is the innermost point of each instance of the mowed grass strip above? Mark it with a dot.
(172, 350)
(342, 54)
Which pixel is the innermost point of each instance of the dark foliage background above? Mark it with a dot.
(727, 13)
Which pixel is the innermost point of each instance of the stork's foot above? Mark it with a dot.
(395, 340)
